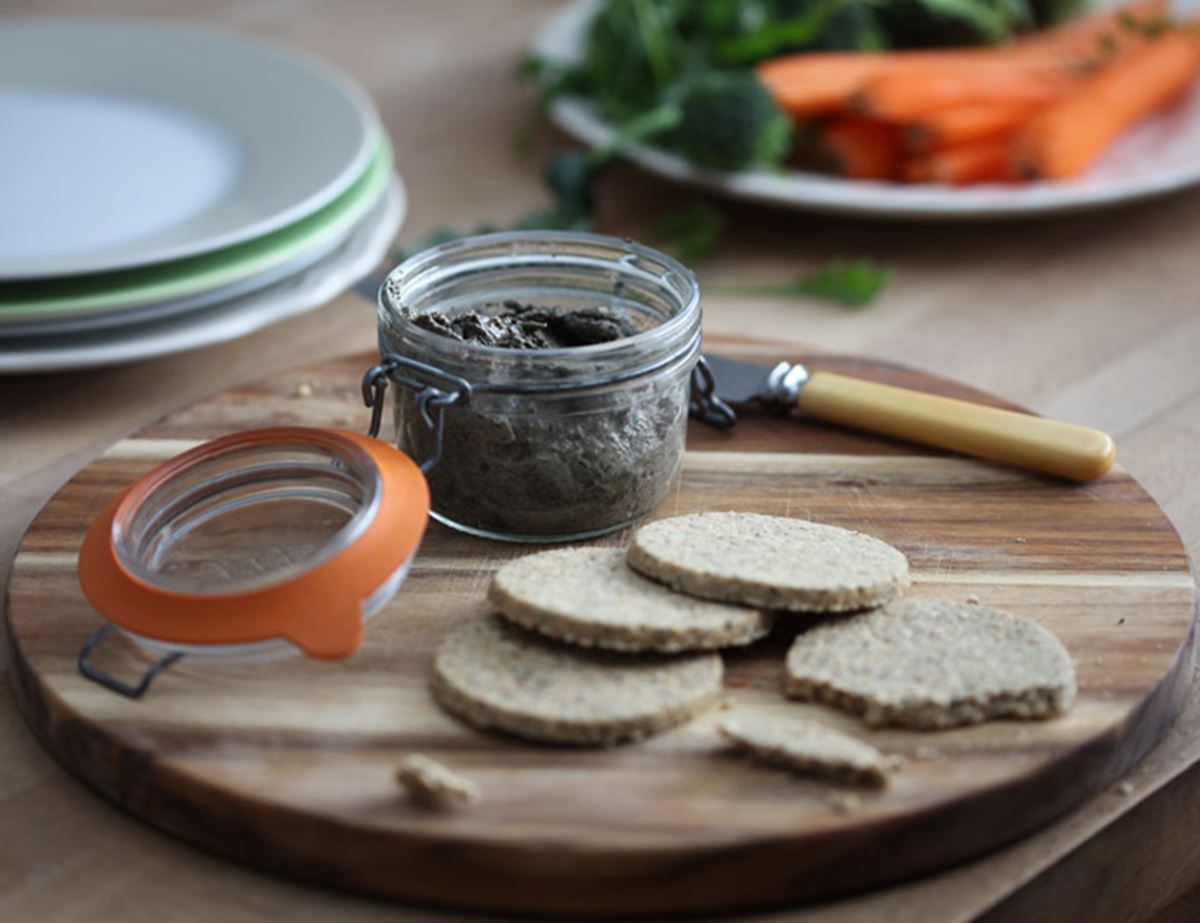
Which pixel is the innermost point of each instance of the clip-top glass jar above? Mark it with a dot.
(543, 444)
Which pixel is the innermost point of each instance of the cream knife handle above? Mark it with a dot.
(1019, 439)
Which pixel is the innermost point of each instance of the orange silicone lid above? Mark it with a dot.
(319, 610)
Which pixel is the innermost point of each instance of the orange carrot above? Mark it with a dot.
(962, 124)
(978, 162)
(1064, 139)
(860, 149)
(1083, 35)
(810, 84)
(904, 97)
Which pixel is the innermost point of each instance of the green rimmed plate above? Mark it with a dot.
(211, 272)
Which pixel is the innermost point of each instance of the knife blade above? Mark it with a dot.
(1023, 440)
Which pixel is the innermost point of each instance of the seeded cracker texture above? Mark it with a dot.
(591, 597)
(930, 664)
(498, 676)
(430, 783)
(808, 748)
(769, 561)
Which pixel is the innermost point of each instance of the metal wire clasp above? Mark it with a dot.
(435, 391)
(704, 403)
(96, 675)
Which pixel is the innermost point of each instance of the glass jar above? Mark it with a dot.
(545, 444)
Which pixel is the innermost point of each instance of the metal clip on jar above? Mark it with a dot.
(541, 444)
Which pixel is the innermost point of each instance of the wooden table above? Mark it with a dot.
(1091, 318)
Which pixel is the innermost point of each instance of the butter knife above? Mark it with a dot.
(1023, 440)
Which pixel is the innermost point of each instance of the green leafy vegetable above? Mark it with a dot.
(632, 54)
(774, 35)
(569, 176)
(853, 283)
(989, 20)
(691, 233)
(554, 79)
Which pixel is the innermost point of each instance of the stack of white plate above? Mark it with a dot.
(163, 189)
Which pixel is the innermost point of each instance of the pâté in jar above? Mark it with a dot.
(543, 379)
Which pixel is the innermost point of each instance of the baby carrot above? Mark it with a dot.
(977, 162)
(1082, 35)
(808, 84)
(860, 149)
(962, 124)
(911, 96)
(1066, 137)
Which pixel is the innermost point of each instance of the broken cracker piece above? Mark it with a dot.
(808, 748)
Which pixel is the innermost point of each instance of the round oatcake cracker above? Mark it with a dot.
(769, 561)
(591, 597)
(496, 675)
(932, 663)
(808, 748)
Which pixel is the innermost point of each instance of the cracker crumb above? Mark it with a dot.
(973, 600)
(304, 390)
(843, 802)
(1125, 788)
(726, 705)
(433, 785)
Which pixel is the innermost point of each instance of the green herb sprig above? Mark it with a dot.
(852, 283)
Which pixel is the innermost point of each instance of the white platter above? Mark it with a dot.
(1159, 156)
(298, 294)
(127, 144)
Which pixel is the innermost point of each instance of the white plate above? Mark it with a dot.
(126, 144)
(1161, 155)
(310, 289)
(160, 310)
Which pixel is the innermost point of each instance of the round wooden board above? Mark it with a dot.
(290, 765)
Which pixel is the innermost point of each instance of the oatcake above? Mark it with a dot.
(769, 561)
(929, 663)
(808, 748)
(430, 783)
(591, 597)
(495, 675)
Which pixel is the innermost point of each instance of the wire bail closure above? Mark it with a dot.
(96, 675)
(435, 391)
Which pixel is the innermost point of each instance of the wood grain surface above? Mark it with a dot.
(1091, 319)
(289, 766)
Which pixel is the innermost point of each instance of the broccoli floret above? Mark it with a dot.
(730, 122)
